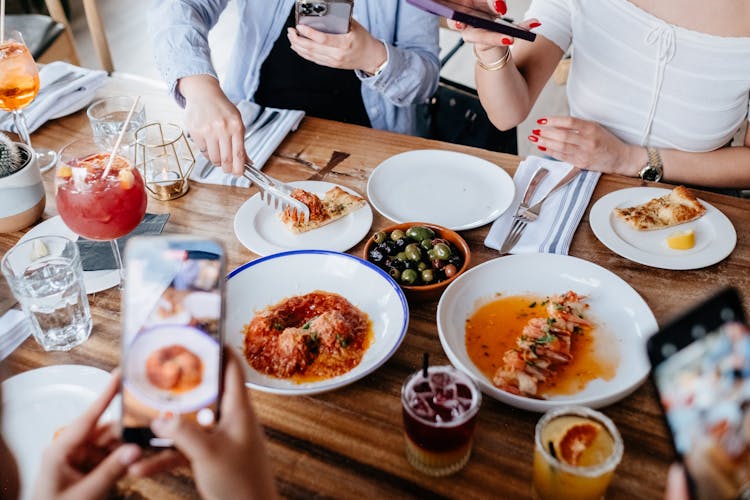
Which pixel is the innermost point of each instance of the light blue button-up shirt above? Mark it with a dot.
(179, 33)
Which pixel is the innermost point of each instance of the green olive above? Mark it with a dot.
(395, 273)
(431, 254)
(426, 243)
(442, 251)
(380, 237)
(413, 252)
(428, 275)
(402, 256)
(397, 234)
(409, 276)
(419, 233)
(422, 266)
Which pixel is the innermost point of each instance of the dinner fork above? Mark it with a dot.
(518, 218)
(526, 214)
(277, 194)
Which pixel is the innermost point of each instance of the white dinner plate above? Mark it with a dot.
(158, 337)
(38, 403)
(94, 281)
(615, 308)
(260, 230)
(266, 281)
(451, 189)
(715, 236)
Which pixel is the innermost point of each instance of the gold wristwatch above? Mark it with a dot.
(654, 169)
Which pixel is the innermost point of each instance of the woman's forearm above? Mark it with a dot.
(723, 168)
(504, 92)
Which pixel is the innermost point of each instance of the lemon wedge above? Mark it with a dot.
(681, 240)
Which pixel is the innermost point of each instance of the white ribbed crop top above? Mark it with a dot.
(647, 81)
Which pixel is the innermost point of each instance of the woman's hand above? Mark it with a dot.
(587, 145)
(86, 459)
(214, 123)
(357, 49)
(228, 461)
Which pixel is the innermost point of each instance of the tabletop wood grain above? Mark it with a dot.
(348, 443)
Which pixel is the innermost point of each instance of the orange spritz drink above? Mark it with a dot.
(19, 78)
(575, 454)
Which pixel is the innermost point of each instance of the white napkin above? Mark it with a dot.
(64, 89)
(561, 213)
(260, 146)
(14, 328)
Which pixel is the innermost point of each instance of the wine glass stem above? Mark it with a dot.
(20, 121)
(118, 261)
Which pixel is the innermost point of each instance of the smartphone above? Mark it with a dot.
(701, 371)
(173, 331)
(473, 17)
(328, 16)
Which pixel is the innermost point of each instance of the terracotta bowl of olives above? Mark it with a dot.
(423, 258)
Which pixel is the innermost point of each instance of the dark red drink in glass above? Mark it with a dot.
(439, 419)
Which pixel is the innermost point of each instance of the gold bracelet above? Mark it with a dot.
(494, 66)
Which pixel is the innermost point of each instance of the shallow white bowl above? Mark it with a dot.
(266, 281)
(614, 306)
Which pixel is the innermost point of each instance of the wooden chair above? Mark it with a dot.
(50, 38)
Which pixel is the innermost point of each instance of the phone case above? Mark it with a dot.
(472, 17)
(328, 16)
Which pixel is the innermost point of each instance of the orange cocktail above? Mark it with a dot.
(19, 78)
(575, 454)
(92, 204)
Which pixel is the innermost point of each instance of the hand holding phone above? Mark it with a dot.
(172, 333)
(473, 17)
(327, 16)
(701, 371)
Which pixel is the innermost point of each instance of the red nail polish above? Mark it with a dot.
(501, 7)
(541, 148)
(533, 138)
(542, 121)
(507, 41)
(534, 25)
(536, 132)
(460, 25)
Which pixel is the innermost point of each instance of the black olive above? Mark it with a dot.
(410, 264)
(376, 256)
(401, 244)
(455, 260)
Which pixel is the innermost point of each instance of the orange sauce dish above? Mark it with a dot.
(497, 327)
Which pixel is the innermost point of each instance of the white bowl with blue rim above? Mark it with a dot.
(266, 281)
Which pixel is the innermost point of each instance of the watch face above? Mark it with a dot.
(650, 174)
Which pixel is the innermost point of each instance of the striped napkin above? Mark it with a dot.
(265, 129)
(561, 213)
(64, 89)
(14, 328)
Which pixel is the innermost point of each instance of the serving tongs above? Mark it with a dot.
(277, 194)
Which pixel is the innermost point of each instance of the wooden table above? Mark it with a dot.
(348, 442)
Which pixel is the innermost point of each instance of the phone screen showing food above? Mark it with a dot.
(172, 334)
(705, 392)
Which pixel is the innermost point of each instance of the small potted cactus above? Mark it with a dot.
(22, 197)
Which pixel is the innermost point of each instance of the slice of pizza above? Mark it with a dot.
(336, 204)
(678, 206)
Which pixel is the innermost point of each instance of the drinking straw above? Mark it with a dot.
(425, 364)
(119, 137)
(2, 21)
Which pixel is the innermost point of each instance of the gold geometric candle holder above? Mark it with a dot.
(165, 160)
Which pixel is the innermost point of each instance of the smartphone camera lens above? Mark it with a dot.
(305, 9)
(320, 9)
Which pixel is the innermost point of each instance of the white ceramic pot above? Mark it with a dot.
(22, 197)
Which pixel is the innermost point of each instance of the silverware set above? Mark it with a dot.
(526, 213)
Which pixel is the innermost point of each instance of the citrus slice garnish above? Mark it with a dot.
(681, 240)
(64, 171)
(575, 440)
(126, 178)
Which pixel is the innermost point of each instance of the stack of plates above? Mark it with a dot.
(14, 328)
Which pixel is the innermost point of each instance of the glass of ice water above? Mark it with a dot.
(107, 117)
(46, 277)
